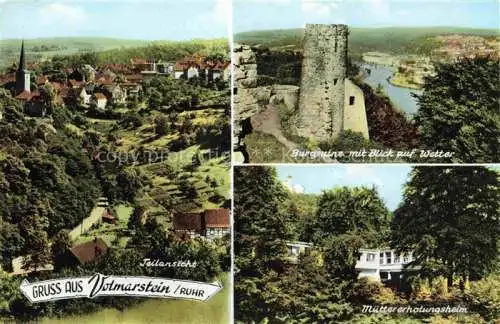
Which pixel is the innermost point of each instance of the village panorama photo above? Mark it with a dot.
(114, 162)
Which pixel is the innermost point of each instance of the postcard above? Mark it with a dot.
(114, 162)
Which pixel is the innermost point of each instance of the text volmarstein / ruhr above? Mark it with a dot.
(102, 285)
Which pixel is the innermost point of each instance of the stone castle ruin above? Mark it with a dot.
(329, 103)
(326, 103)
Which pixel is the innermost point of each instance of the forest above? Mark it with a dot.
(448, 217)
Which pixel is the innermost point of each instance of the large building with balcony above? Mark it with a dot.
(384, 265)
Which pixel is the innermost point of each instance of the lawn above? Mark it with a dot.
(110, 232)
(164, 311)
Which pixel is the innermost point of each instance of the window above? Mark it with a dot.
(335, 81)
(351, 100)
(235, 91)
(397, 259)
(405, 258)
(370, 257)
(384, 275)
(381, 258)
(388, 256)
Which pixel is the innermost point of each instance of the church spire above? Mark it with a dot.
(22, 61)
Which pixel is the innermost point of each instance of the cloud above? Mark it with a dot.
(62, 13)
(363, 173)
(296, 188)
(380, 7)
(220, 14)
(318, 7)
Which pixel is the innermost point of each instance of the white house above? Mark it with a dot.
(192, 72)
(84, 96)
(17, 266)
(294, 249)
(100, 100)
(382, 264)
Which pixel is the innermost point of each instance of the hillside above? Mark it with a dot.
(396, 40)
(43, 48)
(111, 50)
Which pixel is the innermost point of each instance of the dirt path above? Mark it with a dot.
(268, 122)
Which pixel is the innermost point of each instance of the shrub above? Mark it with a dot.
(484, 296)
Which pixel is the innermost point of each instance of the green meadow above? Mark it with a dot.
(164, 311)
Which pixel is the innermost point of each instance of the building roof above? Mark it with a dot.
(134, 77)
(187, 222)
(41, 79)
(99, 95)
(26, 95)
(216, 218)
(90, 250)
(75, 83)
(56, 85)
(108, 215)
(136, 60)
(22, 59)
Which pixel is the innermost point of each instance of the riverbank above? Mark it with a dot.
(401, 81)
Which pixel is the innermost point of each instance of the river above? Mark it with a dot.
(400, 97)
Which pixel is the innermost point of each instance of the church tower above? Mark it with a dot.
(22, 75)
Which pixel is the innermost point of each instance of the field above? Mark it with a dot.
(157, 311)
(110, 50)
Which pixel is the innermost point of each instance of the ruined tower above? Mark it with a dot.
(22, 75)
(322, 87)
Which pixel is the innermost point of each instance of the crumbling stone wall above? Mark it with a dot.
(322, 88)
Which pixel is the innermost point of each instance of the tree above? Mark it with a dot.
(260, 238)
(135, 220)
(34, 229)
(350, 210)
(128, 183)
(449, 218)
(61, 243)
(162, 126)
(459, 111)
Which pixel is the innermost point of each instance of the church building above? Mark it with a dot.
(23, 80)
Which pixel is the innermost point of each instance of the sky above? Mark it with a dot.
(281, 14)
(388, 179)
(126, 19)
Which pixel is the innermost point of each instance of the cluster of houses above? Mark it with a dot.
(210, 224)
(111, 84)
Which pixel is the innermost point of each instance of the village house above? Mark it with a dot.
(216, 222)
(99, 100)
(108, 217)
(84, 96)
(41, 80)
(86, 252)
(211, 224)
(294, 249)
(188, 223)
(132, 90)
(115, 93)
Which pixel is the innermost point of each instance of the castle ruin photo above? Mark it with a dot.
(323, 105)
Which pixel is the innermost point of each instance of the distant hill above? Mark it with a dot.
(397, 40)
(44, 48)
(41, 48)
